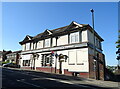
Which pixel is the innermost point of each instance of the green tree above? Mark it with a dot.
(118, 41)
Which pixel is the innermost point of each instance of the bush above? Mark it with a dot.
(5, 62)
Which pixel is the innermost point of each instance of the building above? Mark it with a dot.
(66, 50)
(3, 54)
(0, 56)
(14, 57)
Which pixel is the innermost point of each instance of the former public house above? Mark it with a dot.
(75, 49)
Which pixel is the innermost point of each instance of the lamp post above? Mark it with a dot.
(56, 55)
(94, 44)
(34, 57)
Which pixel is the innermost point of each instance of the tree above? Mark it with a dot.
(118, 51)
(118, 41)
(118, 46)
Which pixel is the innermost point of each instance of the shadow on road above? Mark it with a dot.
(49, 81)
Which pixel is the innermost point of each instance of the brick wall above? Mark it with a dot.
(84, 75)
(66, 72)
(25, 67)
(91, 67)
(100, 67)
(47, 69)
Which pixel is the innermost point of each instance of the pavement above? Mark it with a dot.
(70, 80)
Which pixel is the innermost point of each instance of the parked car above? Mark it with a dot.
(13, 65)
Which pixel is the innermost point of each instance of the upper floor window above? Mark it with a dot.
(27, 46)
(47, 42)
(23, 47)
(99, 44)
(74, 37)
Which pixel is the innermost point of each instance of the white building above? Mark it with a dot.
(74, 43)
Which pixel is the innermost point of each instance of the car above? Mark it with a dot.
(4, 65)
(12, 65)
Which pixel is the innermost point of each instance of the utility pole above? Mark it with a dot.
(94, 57)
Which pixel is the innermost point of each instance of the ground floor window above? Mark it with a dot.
(46, 60)
(26, 62)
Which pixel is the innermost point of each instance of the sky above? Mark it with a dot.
(31, 18)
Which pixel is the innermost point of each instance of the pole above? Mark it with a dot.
(55, 62)
(93, 43)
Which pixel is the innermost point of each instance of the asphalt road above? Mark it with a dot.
(12, 78)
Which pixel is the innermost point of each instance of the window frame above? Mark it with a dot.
(74, 37)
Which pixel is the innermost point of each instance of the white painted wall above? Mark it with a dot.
(27, 46)
(64, 64)
(85, 36)
(47, 42)
(90, 37)
(53, 42)
(24, 57)
(75, 58)
(23, 47)
(38, 61)
(40, 44)
(31, 46)
(81, 58)
(74, 37)
(62, 40)
(72, 57)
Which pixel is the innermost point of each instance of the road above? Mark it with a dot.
(12, 78)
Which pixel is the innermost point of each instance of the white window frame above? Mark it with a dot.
(74, 37)
(47, 43)
(27, 46)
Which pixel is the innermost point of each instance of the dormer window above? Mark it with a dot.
(47, 42)
(74, 37)
(50, 33)
(27, 46)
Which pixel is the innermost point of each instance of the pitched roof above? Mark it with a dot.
(27, 38)
(6, 52)
(59, 31)
(15, 52)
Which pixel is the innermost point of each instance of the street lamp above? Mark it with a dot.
(94, 44)
(56, 56)
(92, 17)
(34, 57)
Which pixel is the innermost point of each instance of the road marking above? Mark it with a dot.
(70, 83)
(22, 80)
(30, 84)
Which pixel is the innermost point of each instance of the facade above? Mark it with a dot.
(0, 56)
(66, 50)
(14, 57)
(3, 54)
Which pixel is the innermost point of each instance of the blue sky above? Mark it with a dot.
(31, 18)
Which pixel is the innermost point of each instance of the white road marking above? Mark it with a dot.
(62, 81)
(30, 84)
(22, 80)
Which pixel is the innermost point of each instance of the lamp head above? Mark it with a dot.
(92, 10)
